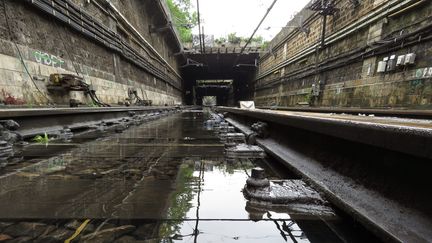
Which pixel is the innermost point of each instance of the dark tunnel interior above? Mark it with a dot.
(227, 76)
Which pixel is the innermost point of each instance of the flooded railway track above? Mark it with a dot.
(165, 180)
(374, 168)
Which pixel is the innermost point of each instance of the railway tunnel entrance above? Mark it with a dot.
(226, 73)
(337, 150)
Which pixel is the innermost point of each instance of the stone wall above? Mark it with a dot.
(344, 71)
(47, 46)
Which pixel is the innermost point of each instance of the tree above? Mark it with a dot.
(234, 39)
(221, 40)
(265, 45)
(184, 18)
(258, 39)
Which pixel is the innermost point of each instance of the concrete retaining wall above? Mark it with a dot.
(47, 46)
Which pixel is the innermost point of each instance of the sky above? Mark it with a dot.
(222, 17)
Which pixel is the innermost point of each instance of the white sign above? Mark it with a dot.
(247, 105)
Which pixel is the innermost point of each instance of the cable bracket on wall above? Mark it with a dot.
(158, 29)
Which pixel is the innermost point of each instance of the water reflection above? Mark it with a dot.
(216, 208)
(162, 181)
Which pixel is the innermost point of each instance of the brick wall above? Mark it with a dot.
(345, 68)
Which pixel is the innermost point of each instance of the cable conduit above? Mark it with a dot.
(71, 17)
(392, 6)
(379, 50)
(129, 25)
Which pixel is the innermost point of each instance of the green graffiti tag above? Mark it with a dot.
(416, 82)
(47, 59)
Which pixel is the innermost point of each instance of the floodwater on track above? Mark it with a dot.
(163, 181)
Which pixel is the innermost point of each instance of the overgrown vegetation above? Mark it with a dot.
(265, 45)
(184, 18)
(92, 104)
(234, 39)
(221, 40)
(41, 139)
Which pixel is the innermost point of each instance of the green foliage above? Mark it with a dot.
(234, 39)
(40, 139)
(92, 104)
(258, 39)
(221, 40)
(183, 17)
(308, 98)
(265, 45)
(180, 201)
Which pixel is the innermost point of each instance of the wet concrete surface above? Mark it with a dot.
(163, 181)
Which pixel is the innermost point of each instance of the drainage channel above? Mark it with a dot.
(167, 180)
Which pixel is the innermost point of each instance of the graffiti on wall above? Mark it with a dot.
(9, 99)
(423, 72)
(47, 59)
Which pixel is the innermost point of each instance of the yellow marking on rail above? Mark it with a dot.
(78, 231)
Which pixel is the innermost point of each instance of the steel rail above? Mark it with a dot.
(387, 112)
(38, 121)
(387, 217)
(385, 134)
